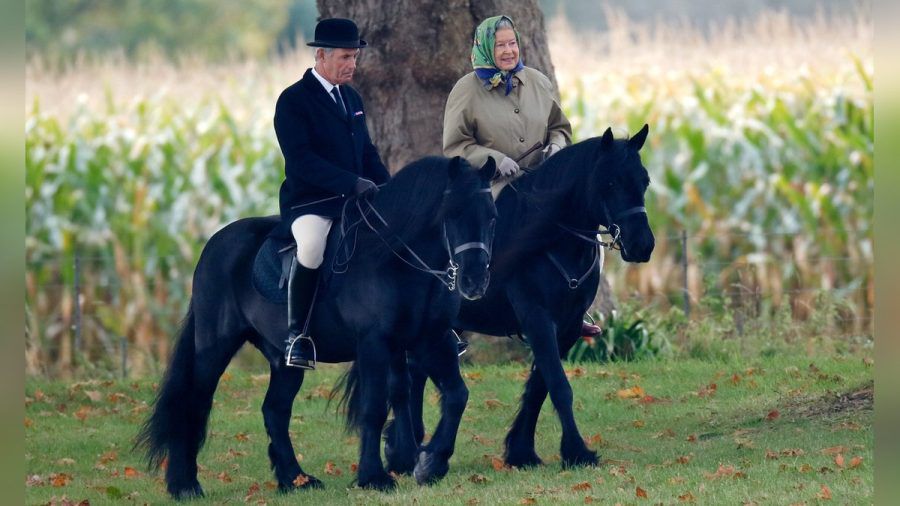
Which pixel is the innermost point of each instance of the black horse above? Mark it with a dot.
(545, 276)
(387, 300)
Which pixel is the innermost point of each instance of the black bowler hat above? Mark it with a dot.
(337, 32)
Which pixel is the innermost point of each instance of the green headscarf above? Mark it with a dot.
(483, 54)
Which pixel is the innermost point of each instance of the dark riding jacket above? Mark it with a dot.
(325, 152)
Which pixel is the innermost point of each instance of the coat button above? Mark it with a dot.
(516, 111)
(521, 139)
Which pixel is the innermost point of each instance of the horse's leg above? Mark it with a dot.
(373, 360)
(208, 366)
(541, 332)
(400, 446)
(284, 383)
(441, 362)
(520, 439)
(417, 380)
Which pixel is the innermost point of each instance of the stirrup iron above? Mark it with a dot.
(299, 341)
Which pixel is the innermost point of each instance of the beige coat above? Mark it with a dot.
(480, 122)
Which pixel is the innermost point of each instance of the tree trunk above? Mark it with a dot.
(417, 51)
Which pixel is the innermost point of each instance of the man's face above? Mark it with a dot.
(506, 49)
(337, 66)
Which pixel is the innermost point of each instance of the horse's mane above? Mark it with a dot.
(410, 203)
(555, 191)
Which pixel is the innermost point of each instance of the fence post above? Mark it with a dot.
(684, 269)
(77, 295)
(123, 344)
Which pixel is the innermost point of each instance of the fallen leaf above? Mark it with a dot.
(834, 450)
(108, 457)
(33, 480)
(581, 486)
(478, 478)
(692, 438)
(474, 376)
(825, 493)
(528, 500)
(223, 477)
(83, 413)
(254, 489)
(855, 462)
(708, 390)
(588, 499)
(684, 459)
(497, 463)
(354, 467)
(93, 395)
(492, 403)
(869, 362)
(635, 392)
(65, 461)
(595, 439)
(793, 452)
(638, 423)
(131, 472)
(640, 492)
(242, 437)
(28, 422)
(300, 480)
(60, 479)
(332, 469)
(771, 455)
(839, 460)
(686, 497)
(774, 414)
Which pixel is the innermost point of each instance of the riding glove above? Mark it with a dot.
(550, 150)
(508, 167)
(364, 185)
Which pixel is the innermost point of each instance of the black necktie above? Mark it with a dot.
(338, 101)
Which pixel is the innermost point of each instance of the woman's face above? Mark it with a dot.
(506, 49)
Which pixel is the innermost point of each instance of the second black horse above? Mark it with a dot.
(545, 276)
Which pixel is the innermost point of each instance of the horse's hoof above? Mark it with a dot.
(193, 491)
(400, 462)
(583, 458)
(382, 481)
(430, 469)
(523, 460)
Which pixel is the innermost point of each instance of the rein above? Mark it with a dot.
(447, 276)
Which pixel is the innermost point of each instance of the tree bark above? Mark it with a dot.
(417, 51)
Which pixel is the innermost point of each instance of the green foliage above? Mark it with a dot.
(623, 339)
(214, 30)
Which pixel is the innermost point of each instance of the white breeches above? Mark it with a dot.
(311, 232)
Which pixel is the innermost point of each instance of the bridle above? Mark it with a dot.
(448, 276)
(591, 236)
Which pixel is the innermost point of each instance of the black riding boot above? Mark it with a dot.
(300, 351)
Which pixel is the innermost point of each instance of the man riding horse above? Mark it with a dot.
(328, 156)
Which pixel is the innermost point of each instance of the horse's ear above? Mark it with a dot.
(488, 170)
(637, 141)
(455, 167)
(608, 139)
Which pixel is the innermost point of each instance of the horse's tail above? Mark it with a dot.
(167, 423)
(351, 399)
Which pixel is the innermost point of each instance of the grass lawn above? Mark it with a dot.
(789, 430)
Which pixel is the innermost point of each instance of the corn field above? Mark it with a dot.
(763, 157)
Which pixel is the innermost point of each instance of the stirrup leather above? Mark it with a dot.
(298, 341)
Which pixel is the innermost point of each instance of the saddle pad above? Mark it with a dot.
(271, 268)
(272, 265)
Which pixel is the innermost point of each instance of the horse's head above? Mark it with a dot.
(469, 216)
(619, 192)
